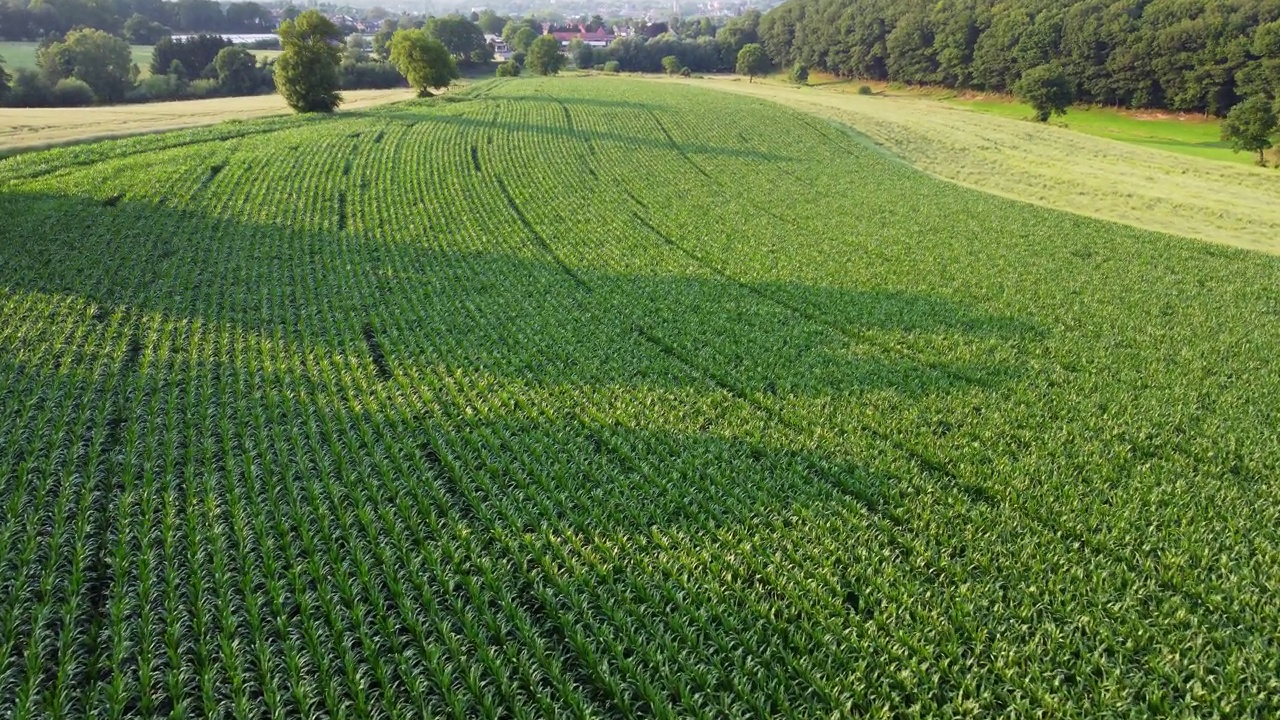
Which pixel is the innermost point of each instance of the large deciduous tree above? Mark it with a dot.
(462, 38)
(307, 72)
(423, 60)
(752, 61)
(237, 71)
(1250, 125)
(544, 56)
(102, 61)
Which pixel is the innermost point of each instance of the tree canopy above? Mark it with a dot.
(307, 72)
(102, 61)
(544, 56)
(237, 70)
(423, 60)
(462, 38)
(1250, 125)
(140, 21)
(1046, 90)
(752, 61)
(1188, 55)
(195, 53)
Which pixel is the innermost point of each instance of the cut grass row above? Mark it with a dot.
(600, 397)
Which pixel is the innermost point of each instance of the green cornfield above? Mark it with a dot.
(594, 397)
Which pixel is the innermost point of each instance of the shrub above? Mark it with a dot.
(799, 74)
(369, 75)
(865, 90)
(671, 64)
(508, 69)
(205, 88)
(29, 89)
(517, 58)
(263, 44)
(71, 92)
(612, 67)
(685, 72)
(156, 88)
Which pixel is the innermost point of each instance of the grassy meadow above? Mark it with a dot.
(23, 55)
(1231, 204)
(1186, 134)
(1193, 135)
(599, 397)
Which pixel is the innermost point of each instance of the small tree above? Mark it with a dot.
(671, 64)
(307, 71)
(104, 62)
(382, 39)
(508, 69)
(800, 73)
(237, 71)
(1249, 126)
(424, 61)
(356, 48)
(1046, 90)
(752, 61)
(613, 67)
(30, 89)
(544, 56)
(584, 57)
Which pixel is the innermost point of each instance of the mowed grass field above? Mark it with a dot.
(1187, 134)
(1230, 204)
(1192, 135)
(23, 129)
(611, 398)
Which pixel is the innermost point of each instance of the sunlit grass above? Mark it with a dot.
(1232, 204)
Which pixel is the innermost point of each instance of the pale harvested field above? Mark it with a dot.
(23, 128)
(1220, 202)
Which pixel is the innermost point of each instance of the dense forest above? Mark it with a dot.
(1187, 55)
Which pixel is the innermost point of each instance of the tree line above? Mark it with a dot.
(139, 21)
(1187, 55)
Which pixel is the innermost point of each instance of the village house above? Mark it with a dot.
(596, 38)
